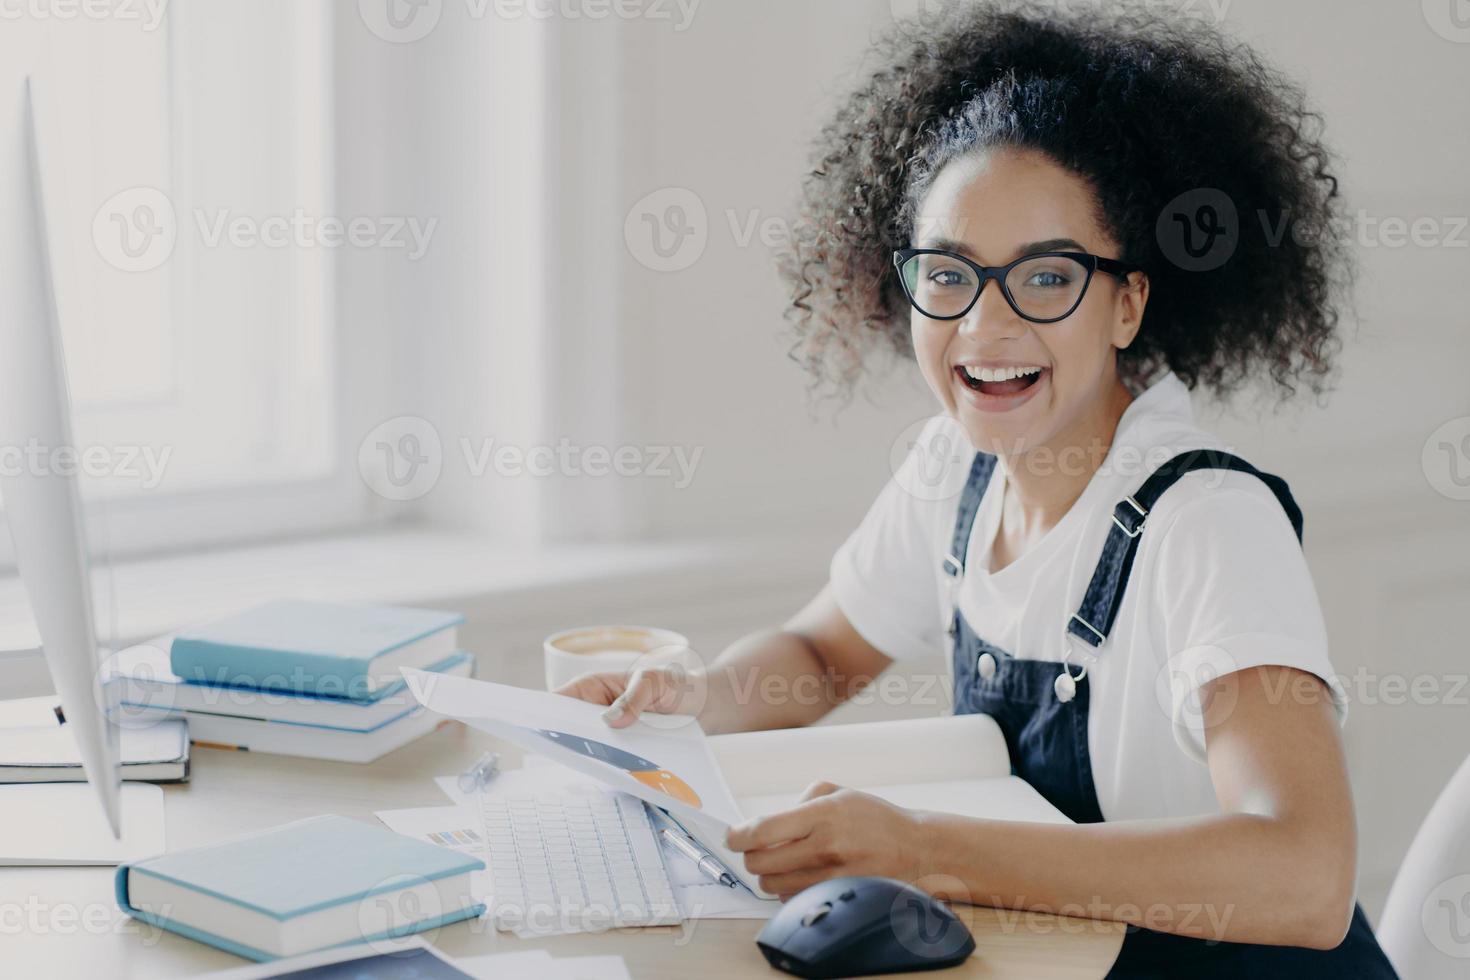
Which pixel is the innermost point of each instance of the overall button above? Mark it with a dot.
(1065, 686)
(985, 665)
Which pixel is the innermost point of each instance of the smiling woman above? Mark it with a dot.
(1194, 188)
(1064, 219)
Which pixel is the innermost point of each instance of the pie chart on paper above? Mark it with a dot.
(645, 771)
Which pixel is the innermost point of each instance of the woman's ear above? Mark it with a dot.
(1132, 298)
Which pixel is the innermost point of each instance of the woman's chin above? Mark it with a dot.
(1001, 433)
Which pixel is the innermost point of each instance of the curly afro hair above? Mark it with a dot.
(1157, 115)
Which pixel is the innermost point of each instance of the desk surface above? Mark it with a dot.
(61, 923)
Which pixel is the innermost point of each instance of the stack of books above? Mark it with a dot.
(292, 677)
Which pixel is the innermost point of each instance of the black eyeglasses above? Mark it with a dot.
(1043, 287)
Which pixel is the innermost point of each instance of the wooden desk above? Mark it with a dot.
(62, 923)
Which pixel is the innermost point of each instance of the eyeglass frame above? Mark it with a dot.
(1093, 264)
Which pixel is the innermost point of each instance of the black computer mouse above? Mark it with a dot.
(851, 927)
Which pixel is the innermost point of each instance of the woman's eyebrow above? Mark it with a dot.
(1030, 248)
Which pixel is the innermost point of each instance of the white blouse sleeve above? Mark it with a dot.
(1233, 592)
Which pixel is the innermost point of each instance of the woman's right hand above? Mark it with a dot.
(668, 689)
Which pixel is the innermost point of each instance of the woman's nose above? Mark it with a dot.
(992, 317)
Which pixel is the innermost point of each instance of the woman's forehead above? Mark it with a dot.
(994, 201)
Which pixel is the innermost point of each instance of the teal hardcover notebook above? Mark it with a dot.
(321, 648)
(325, 881)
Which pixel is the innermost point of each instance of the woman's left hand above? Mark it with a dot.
(832, 833)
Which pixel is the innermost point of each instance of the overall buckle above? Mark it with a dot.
(1120, 513)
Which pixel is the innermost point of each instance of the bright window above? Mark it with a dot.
(200, 236)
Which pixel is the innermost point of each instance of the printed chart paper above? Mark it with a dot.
(668, 764)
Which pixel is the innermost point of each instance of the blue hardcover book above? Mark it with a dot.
(322, 648)
(317, 883)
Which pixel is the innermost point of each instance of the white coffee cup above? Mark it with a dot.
(574, 652)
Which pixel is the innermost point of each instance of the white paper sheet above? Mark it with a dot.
(666, 762)
(454, 827)
(52, 824)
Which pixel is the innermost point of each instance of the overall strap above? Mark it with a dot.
(1094, 619)
(980, 470)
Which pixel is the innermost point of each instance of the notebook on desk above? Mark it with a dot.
(954, 764)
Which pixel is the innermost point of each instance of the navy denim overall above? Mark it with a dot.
(1047, 737)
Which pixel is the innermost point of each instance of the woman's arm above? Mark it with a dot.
(1277, 866)
(774, 679)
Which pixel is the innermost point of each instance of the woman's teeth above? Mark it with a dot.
(997, 374)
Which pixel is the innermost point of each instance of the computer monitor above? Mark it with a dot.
(41, 500)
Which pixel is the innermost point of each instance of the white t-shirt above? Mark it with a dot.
(1219, 584)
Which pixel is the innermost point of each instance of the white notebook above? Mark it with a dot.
(955, 764)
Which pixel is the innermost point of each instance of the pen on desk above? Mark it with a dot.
(696, 854)
(473, 779)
